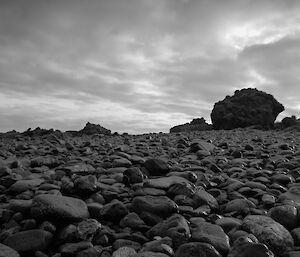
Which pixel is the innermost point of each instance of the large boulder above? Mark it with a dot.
(198, 124)
(246, 107)
(91, 129)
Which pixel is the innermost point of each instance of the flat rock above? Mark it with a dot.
(58, 208)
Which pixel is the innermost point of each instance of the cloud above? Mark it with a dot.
(141, 65)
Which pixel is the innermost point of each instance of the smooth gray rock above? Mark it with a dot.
(58, 208)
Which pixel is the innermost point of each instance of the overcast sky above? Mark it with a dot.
(141, 65)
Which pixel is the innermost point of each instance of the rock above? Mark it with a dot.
(183, 188)
(19, 205)
(29, 241)
(114, 211)
(124, 252)
(6, 251)
(164, 182)
(269, 232)
(86, 229)
(23, 185)
(201, 197)
(201, 145)
(91, 129)
(160, 205)
(79, 168)
(89, 252)
(239, 206)
(85, 185)
(58, 208)
(245, 247)
(156, 167)
(71, 249)
(149, 254)
(209, 233)
(133, 175)
(133, 221)
(126, 242)
(163, 245)
(175, 227)
(292, 194)
(198, 124)
(286, 215)
(246, 107)
(196, 249)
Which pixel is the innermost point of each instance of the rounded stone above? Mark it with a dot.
(269, 232)
(58, 208)
(286, 215)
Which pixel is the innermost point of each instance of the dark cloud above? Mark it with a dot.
(141, 65)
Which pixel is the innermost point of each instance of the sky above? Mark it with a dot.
(141, 66)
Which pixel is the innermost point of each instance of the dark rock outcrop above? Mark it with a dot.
(245, 108)
(39, 132)
(91, 129)
(198, 124)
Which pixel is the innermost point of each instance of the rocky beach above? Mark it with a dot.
(233, 193)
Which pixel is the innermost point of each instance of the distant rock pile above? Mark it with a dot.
(245, 108)
(91, 129)
(198, 124)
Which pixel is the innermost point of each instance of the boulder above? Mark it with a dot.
(245, 108)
